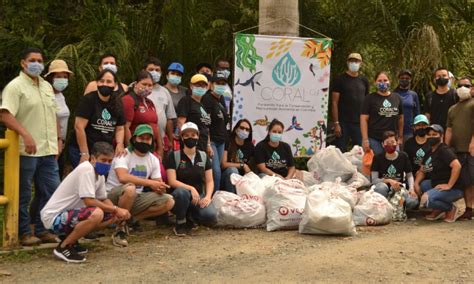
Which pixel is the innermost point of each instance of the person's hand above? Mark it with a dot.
(338, 130)
(158, 186)
(122, 214)
(195, 196)
(443, 186)
(204, 202)
(366, 146)
(423, 199)
(413, 194)
(30, 144)
(209, 151)
(84, 158)
(394, 184)
(120, 150)
(247, 168)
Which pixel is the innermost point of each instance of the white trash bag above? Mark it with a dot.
(373, 209)
(338, 189)
(308, 178)
(285, 203)
(355, 156)
(330, 163)
(249, 186)
(269, 181)
(237, 212)
(327, 215)
(358, 180)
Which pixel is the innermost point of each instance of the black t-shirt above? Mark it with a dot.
(102, 119)
(219, 118)
(352, 92)
(277, 159)
(195, 112)
(389, 169)
(383, 113)
(438, 106)
(416, 152)
(240, 153)
(189, 173)
(438, 165)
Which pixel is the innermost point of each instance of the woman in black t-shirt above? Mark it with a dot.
(381, 111)
(239, 151)
(273, 156)
(99, 118)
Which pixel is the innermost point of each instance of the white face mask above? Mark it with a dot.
(463, 93)
(353, 66)
(111, 67)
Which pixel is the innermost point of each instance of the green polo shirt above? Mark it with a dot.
(34, 107)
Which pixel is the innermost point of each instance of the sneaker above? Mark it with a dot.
(135, 227)
(30, 240)
(47, 237)
(119, 238)
(68, 254)
(80, 249)
(453, 214)
(436, 214)
(180, 230)
(466, 216)
(191, 226)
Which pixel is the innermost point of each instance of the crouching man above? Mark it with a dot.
(134, 183)
(80, 205)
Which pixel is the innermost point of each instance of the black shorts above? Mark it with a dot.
(467, 170)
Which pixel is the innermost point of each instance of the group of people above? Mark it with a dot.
(147, 150)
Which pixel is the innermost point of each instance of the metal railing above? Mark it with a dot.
(11, 190)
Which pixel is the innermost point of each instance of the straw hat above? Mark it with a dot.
(57, 66)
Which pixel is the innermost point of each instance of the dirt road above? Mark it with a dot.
(416, 251)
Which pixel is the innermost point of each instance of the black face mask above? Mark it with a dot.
(105, 91)
(404, 83)
(441, 81)
(190, 142)
(142, 147)
(420, 132)
(433, 141)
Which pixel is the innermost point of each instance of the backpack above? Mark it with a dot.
(177, 158)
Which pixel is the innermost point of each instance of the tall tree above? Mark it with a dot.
(278, 17)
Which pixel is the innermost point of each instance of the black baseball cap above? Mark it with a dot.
(436, 127)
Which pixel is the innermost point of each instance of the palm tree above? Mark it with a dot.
(273, 14)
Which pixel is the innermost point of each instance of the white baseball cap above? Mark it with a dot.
(189, 126)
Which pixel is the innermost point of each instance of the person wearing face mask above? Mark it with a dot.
(107, 62)
(139, 109)
(214, 105)
(80, 205)
(391, 169)
(99, 117)
(381, 111)
(273, 156)
(190, 175)
(442, 192)
(191, 109)
(223, 67)
(135, 183)
(173, 84)
(29, 108)
(438, 102)
(238, 154)
(410, 101)
(416, 146)
(348, 92)
(460, 136)
(164, 106)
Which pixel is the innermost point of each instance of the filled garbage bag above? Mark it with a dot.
(236, 211)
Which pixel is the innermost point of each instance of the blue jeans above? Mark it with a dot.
(183, 208)
(440, 199)
(376, 146)
(425, 185)
(349, 130)
(226, 184)
(382, 188)
(74, 156)
(44, 172)
(218, 150)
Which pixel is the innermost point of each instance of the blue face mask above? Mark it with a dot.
(101, 168)
(156, 76)
(60, 84)
(275, 137)
(199, 91)
(220, 89)
(383, 86)
(174, 80)
(34, 68)
(242, 134)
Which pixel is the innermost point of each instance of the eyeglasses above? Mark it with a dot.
(244, 128)
(464, 85)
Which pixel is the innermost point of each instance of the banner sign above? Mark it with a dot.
(286, 78)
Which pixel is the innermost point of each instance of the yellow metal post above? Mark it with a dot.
(11, 190)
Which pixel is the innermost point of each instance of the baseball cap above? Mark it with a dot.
(203, 64)
(436, 127)
(354, 56)
(189, 126)
(218, 76)
(176, 66)
(57, 66)
(404, 72)
(199, 78)
(143, 129)
(421, 118)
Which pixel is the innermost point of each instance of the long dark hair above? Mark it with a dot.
(115, 98)
(274, 123)
(232, 150)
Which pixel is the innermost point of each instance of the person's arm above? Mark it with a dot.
(364, 129)
(291, 172)
(80, 125)
(108, 207)
(169, 133)
(180, 122)
(206, 200)
(119, 139)
(60, 140)
(400, 129)
(455, 172)
(125, 87)
(416, 110)
(10, 121)
(124, 177)
(263, 168)
(419, 177)
(175, 183)
(448, 136)
(335, 113)
(374, 177)
(92, 86)
(159, 142)
(127, 133)
(471, 145)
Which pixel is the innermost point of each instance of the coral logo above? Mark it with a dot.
(286, 72)
(106, 114)
(283, 211)
(386, 103)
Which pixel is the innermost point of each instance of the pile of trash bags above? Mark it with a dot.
(327, 199)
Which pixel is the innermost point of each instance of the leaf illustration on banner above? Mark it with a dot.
(319, 49)
(246, 55)
(316, 135)
(278, 47)
(286, 71)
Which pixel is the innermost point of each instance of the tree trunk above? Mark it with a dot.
(271, 10)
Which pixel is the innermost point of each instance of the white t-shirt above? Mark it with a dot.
(62, 114)
(82, 182)
(142, 167)
(161, 98)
